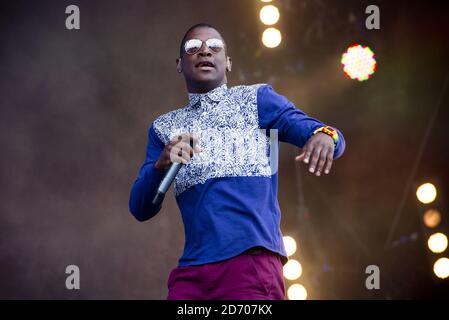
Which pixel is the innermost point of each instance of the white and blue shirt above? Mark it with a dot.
(227, 194)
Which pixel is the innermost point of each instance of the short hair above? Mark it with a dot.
(195, 26)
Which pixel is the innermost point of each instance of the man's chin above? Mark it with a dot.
(206, 81)
(205, 77)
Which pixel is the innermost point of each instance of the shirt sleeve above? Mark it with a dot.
(294, 126)
(148, 180)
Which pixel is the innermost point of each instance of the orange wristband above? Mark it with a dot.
(329, 131)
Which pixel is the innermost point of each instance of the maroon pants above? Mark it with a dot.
(248, 276)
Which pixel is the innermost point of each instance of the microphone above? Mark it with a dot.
(166, 182)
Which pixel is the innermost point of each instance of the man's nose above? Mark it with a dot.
(204, 50)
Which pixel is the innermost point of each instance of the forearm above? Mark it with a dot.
(293, 125)
(143, 192)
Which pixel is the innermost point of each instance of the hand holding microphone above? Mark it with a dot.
(175, 154)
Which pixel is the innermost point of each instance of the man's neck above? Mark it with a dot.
(203, 88)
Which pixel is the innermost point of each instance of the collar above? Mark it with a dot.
(215, 95)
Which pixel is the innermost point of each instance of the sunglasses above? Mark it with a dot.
(192, 46)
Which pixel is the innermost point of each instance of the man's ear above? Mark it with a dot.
(178, 65)
(228, 64)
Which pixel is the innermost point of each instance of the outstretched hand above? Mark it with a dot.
(318, 152)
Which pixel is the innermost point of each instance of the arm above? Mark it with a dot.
(144, 187)
(294, 126)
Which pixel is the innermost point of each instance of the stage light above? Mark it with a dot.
(271, 37)
(432, 218)
(292, 270)
(441, 268)
(437, 242)
(426, 193)
(297, 292)
(358, 62)
(290, 245)
(269, 15)
(266, 0)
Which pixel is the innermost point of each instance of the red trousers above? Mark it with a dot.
(247, 276)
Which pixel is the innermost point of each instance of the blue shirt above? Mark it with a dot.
(227, 194)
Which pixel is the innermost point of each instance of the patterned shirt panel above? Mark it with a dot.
(226, 123)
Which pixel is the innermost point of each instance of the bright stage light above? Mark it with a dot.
(437, 242)
(297, 292)
(266, 0)
(269, 15)
(271, 37)
(441, 268)
(358, 62)
(292, 270)
(426, 193)
(432, 218)
(290, 245)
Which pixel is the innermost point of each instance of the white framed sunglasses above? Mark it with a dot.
(192, 46)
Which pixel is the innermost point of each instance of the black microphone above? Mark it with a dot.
(168, 180)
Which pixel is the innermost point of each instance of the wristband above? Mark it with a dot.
(329, 131)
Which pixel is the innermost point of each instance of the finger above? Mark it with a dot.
(184, 146)
(175, 155)
(177, 159)
(194, 143)
(308, 153)
(185, 154)
(191, 141)
(330, 159)
(176, 139)
(179, 154)
(186, 141)
(301, 156)
(189, 138)
(184, 137)
(197, 149)
(321, 162)
(314, 159)
(194, 139)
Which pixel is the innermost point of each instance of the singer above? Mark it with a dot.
(225, 190)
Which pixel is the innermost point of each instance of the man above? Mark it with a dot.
(227, 191)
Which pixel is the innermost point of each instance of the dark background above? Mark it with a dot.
(76, 107)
